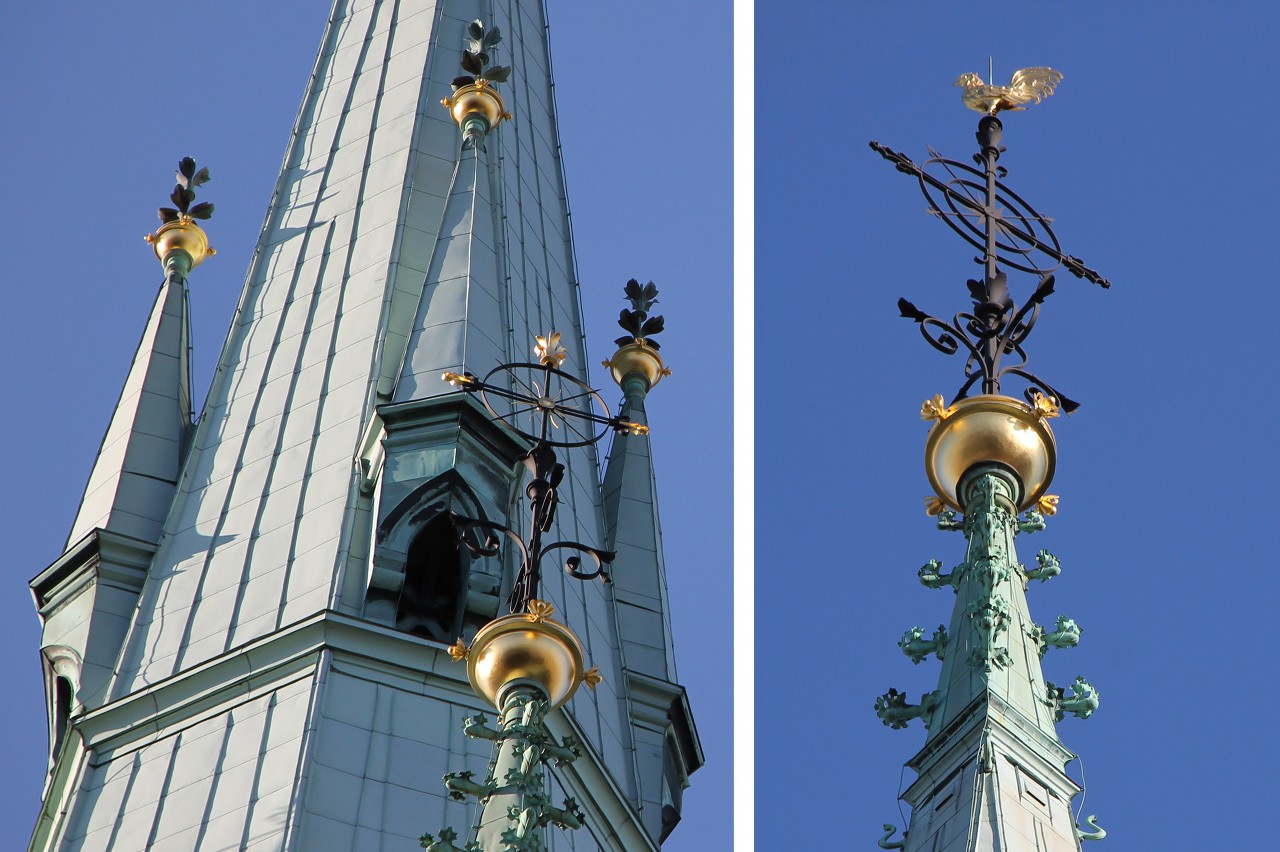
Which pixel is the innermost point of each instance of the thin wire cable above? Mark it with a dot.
(974, 792)
(1084, 791)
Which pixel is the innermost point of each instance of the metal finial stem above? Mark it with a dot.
(516, 807)
(1010, 234)
(567, 413)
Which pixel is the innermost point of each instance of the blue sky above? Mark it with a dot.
(102, 101)
(1153, 157)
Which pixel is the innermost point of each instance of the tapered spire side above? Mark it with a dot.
(135, 474)
(630, 490)
(634, 531)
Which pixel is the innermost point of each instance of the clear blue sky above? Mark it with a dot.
(102, 99)
(1154, 157)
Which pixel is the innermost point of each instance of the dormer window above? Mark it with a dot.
(423, 581)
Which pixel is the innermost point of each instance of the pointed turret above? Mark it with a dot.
(992, 774)
(631, 495)
(86, 597)
(659, 706)
(134, 475)
(136, 472)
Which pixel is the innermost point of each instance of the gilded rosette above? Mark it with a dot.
(637, 358)
(526, 648)
(991, 429)
(182, 234)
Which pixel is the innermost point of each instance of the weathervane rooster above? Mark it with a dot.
(1028, 85)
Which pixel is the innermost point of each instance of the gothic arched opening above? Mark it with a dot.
(435, 580)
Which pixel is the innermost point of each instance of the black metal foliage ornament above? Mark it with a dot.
(184, 192)
(1008, 232)
(636, 322)
(475, 57)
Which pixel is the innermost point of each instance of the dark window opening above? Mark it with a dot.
(434, 591)
(63, 692)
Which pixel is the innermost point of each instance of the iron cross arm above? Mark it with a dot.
(978, 209)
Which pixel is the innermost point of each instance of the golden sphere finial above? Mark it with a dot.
(179, 231)
(990, 429)
(529, 648)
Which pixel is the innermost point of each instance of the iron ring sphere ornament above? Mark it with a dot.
(553, 400)
(987, 214)
(1021, 235)
(559, 403)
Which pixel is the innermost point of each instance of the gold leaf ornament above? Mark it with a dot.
(933, 506)
(1029, 85)
(540, 610)
(592, 676)
(935, 408)
(1048, 504)
(549, 350)
(458, 650)
(457, 380)
(1045, 407)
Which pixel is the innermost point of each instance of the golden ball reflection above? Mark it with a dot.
(513, 648)
(990, 428)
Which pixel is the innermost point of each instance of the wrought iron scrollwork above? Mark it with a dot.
(1008, 232)
(565, 412)
(989, 333)
(541, 492)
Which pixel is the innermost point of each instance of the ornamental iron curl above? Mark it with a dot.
(565, 412)
(541, 492)
(1009, 233)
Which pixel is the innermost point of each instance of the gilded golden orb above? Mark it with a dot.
(637, 358)
(986, 429)
(183, 234)
(515, 648)
(476, 98)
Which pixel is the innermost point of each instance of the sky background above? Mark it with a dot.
(103, 99)
(1155, 157)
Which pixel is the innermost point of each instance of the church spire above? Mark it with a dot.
(136, 472)
(634, 532)
(992, 769)
(375, 442)
(631, 492)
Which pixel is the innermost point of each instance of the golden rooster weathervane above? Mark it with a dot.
(1027, 86)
